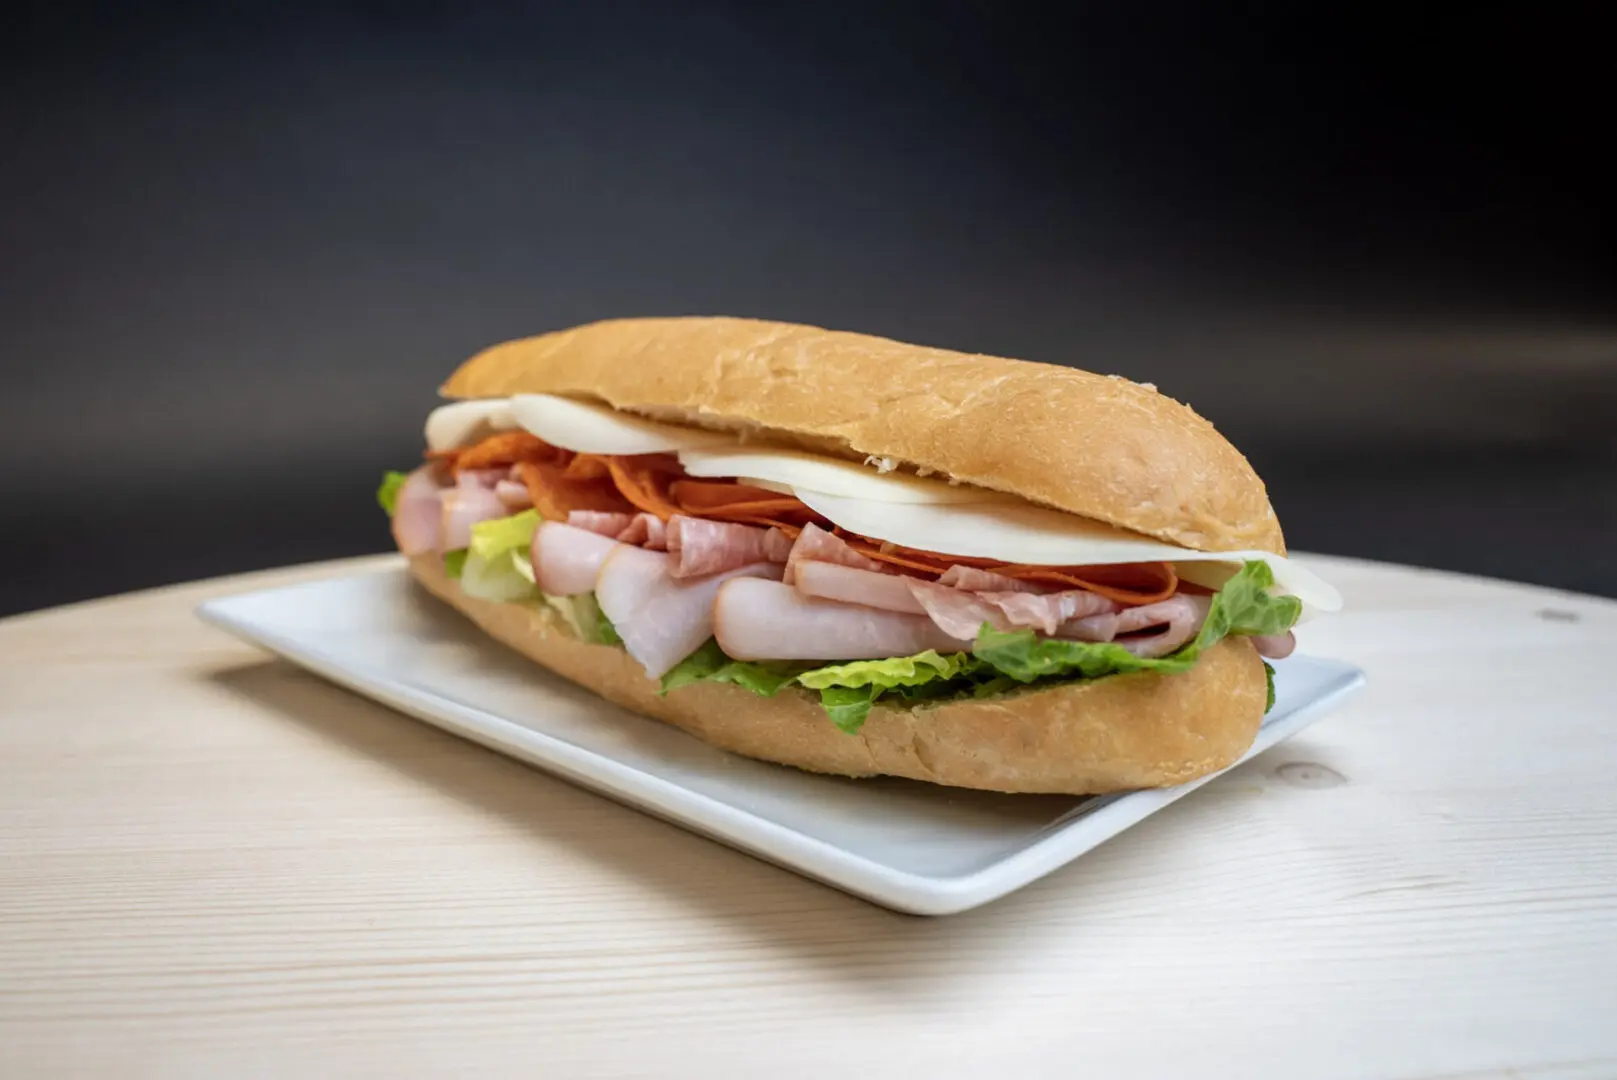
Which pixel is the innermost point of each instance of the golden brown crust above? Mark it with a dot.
(1095, 445)
(1115, 734)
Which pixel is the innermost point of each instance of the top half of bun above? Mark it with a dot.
(1095, 445)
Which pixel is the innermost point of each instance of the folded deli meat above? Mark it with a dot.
(662, 511)
(757, 571)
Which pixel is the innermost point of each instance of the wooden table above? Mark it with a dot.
(212, 864)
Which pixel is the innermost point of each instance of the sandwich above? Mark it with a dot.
(854, 556)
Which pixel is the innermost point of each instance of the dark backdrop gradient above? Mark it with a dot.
(243, 242)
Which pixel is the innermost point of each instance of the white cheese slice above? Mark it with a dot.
(597, 429)
(798, 472)
(914, 512)
(1019, 532)
(463, 422)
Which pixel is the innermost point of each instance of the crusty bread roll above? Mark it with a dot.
(1095, 445)
(1114, 734)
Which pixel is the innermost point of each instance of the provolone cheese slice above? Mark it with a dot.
(1019, 532)
(799, 472)
(598, 429)
(462, 422)
(913, 512)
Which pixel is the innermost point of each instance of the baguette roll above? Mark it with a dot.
(1099, 447)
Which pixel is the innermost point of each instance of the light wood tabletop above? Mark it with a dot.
(214, 864)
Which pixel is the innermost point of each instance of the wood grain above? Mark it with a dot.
(212, 864)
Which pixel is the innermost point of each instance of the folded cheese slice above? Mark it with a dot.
(1028, 534)
(923, 513)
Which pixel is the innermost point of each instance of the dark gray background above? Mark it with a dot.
(242, 243)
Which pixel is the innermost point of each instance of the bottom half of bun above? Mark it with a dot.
(1113, 734)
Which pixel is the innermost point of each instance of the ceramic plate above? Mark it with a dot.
(906, 845)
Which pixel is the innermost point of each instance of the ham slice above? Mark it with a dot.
(1180, 617)
(470, 501)
(975, 580)
(1275, 646)
(1048, 611)
(778, 545)
(958, 613)
(600, 521)
(1089, 628)
(660, 619)
(646, 530)
(566, 559)
(697, 547)
(418, 514)
(514, 494)
(959, 602)
(483, 478)
(814, 543)
(765, 620)
(1174, 609)
(870, 588)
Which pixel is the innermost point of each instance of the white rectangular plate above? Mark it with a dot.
(906, 845)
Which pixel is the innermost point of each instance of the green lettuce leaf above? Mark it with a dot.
(709, 663)
(847, 691)
(1024, 656)
(500, 579)
(387, 496)
(1269, 677)
(454, 562)
(581, 614)
(498, 536)
(509, 539)
(697, 667)
(1245, 606)
(917, 670)
(848, 706)
(495, 565)
(590, 622)
(765, 680)
(998, 684)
